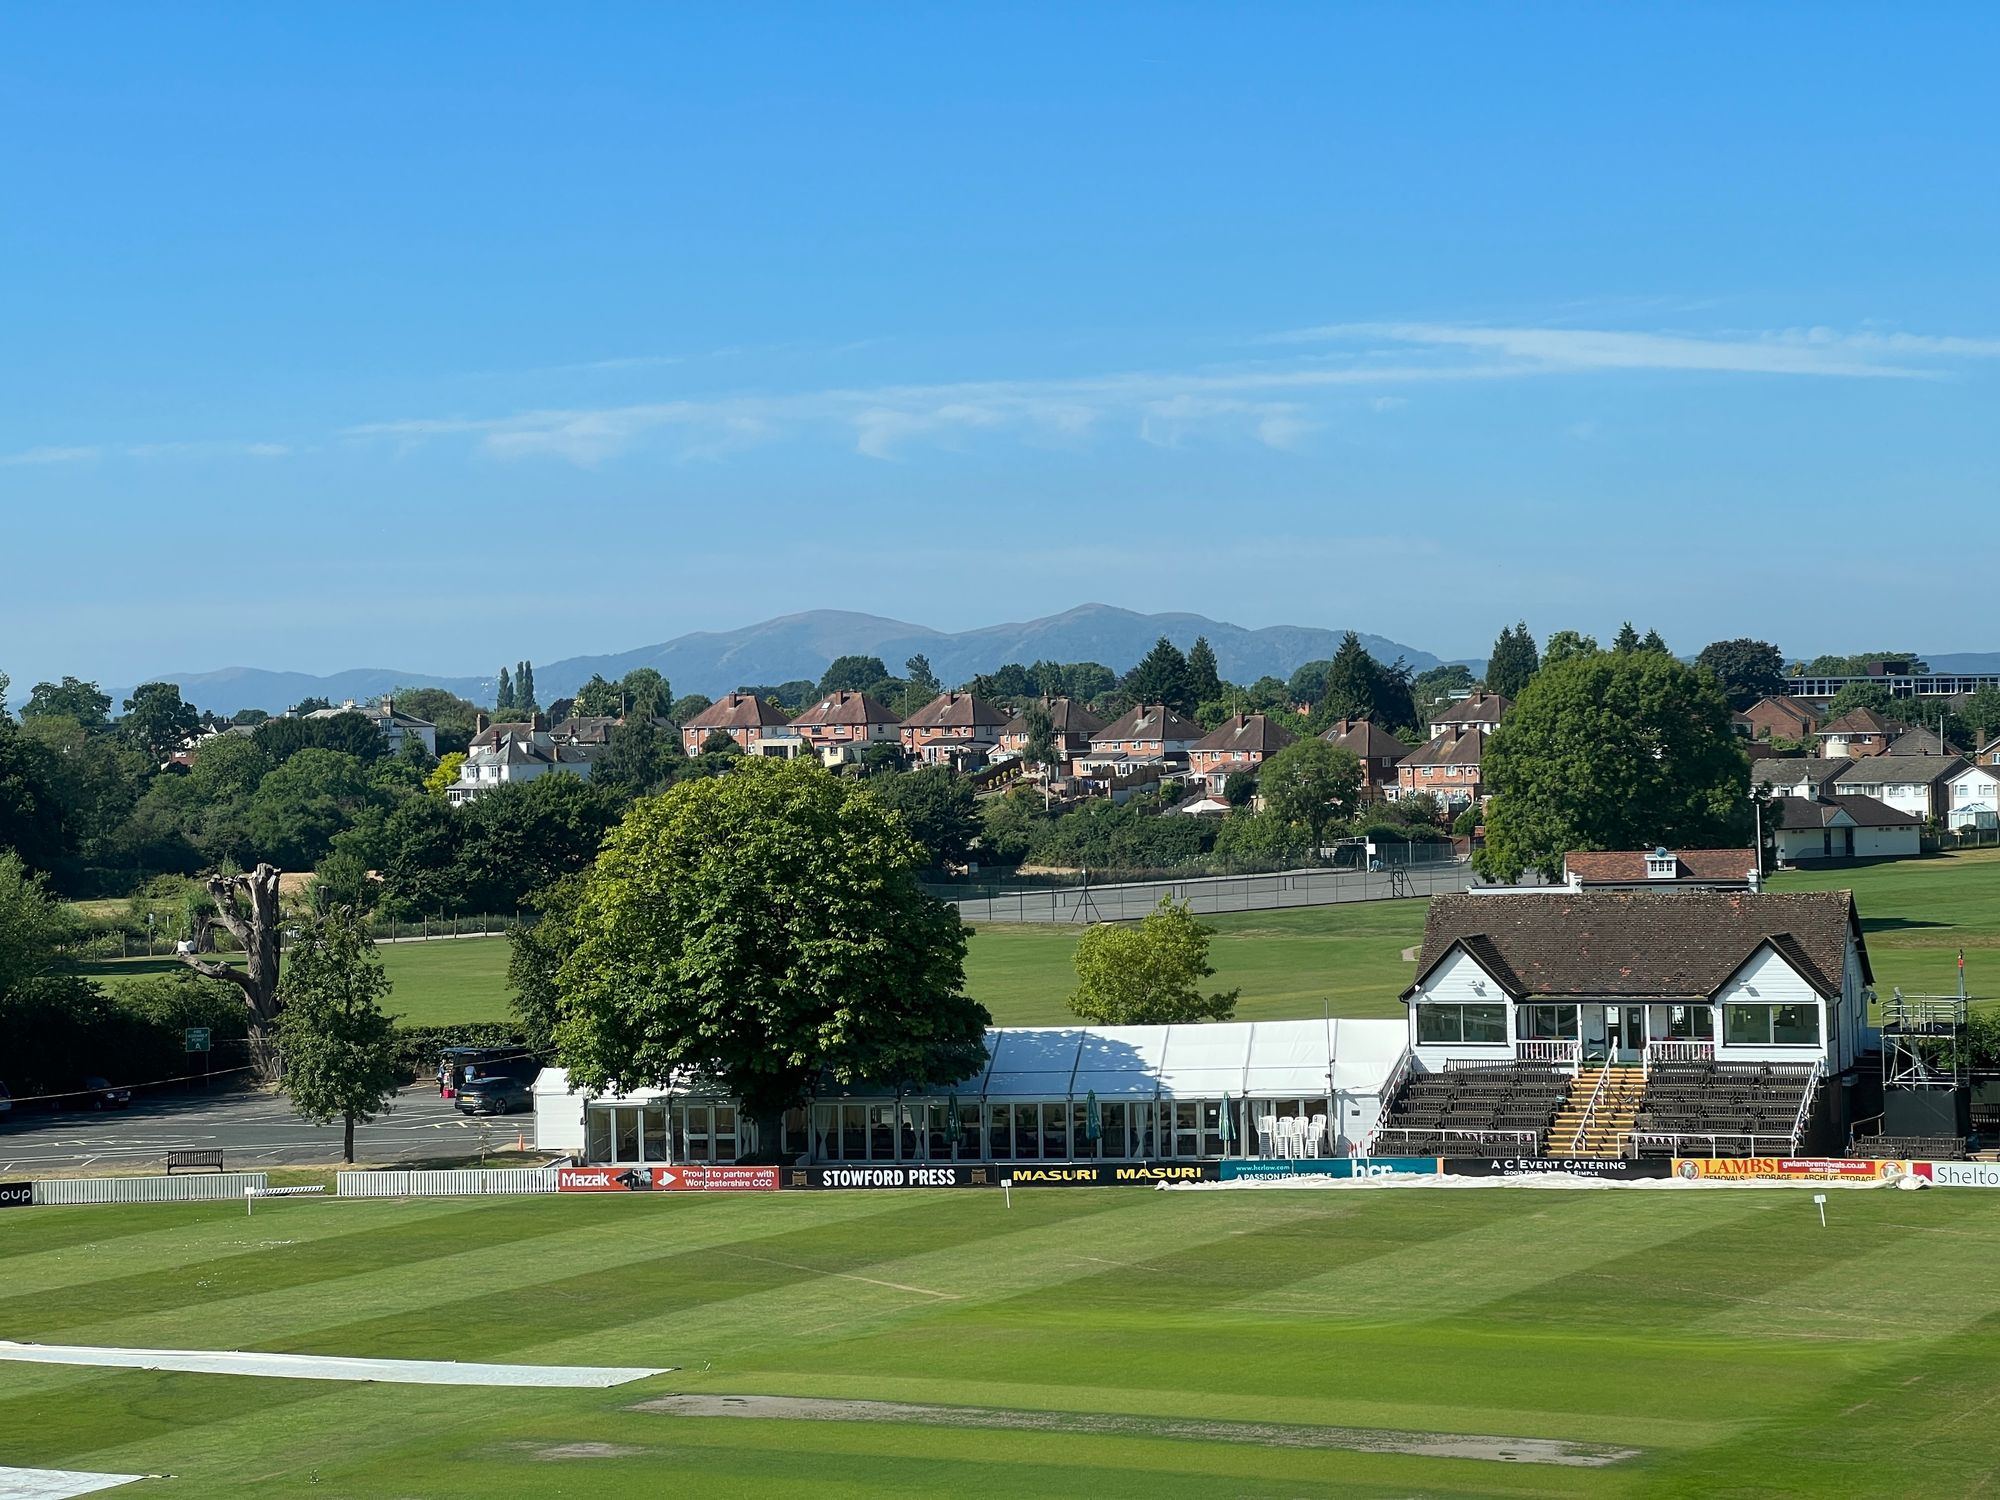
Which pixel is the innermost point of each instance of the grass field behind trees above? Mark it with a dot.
(1741, 1348)
(1918, 914)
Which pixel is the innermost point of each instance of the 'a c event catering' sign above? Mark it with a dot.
(1618, 1168)
(1786, 1169)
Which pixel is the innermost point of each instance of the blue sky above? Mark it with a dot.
(430, 337)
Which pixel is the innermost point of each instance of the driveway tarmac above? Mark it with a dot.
(251, 1129)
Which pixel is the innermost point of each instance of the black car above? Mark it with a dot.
(97, 1093)
(495, 1094)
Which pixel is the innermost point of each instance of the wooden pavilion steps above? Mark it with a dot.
(1617, 1113)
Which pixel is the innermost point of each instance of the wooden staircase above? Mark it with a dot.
(1604, 1132)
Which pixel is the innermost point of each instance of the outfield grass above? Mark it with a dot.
(439, 983)
(1917, 913)
(1743, 1349)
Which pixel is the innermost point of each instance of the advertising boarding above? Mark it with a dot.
(1785, 1169)
(694, 1178)
(1339, 1166)
(16, 1194)
(1613, 1169)
(992, 1174)
(1972, 1174)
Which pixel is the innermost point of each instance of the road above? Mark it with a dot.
(252, 1130)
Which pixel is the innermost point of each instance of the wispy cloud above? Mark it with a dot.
(1808, 351)
(31, 457)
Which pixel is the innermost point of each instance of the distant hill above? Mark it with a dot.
(801, 645)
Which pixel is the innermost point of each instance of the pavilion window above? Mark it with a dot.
(1000, 1134)
(1480, 1024)
(1547, 1023)
(1187, 1127)
(1027, 1132)
(1771, 1025)
(597, 1142)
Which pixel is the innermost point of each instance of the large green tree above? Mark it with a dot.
(938, 807)
(1745, 669)
(765, 927)
(1352, 682)
(1149, 973)
(1312, 784)
(455, 718)
(648, 695)
(157, 721)
(1161, 677)
(1870, 695)
(1204, 679)
(338, 1045)
(1564, 644)
(1614, 751)
(302, 804)
(1982, 712)
(72, 698)
(1514, 661)
(639, 758)
(854, 674)
(521, 836)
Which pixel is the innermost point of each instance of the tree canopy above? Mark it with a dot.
(854, 674)
(1612, 752)
(157, 721)
(1515, 659)
(1564, 644)
(938, 807)
(766, 926)
(1870, 695)
(1312, 784)
(72, 698)
(1161, 677)
(1746, 670)
(338, 1046)
(1204, 680)
(1148, 974)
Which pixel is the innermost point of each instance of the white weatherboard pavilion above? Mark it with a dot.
(1158, 1093)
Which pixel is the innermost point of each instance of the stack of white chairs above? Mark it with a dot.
(1266, 1135)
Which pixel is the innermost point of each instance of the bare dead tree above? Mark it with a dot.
(247, 905)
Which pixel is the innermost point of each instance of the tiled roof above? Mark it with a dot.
(1149, 721)
(1623, 866)
(1867, 812)
(1448, 749)
(1474, 708)
(1882, 770)
(1639, 943)
(1920, 741)
(1858, 721)
(1813, 770)
(956, 710)
(844, 707)
(1066, 716)
(1247, 732)
(737, 711)
(1366, 739)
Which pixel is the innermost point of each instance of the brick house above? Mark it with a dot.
(1447, 767)
(1378, 751)
(844, 723)
(1780, 717)
(1858, 732)
(953, 727)
(745, 718)
(1147, 730)
(1480, 711)
(1239, 743)
(1073, 724)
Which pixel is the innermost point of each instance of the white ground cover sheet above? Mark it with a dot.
(56, 1484)
(1559, 1181)
(325, 1367)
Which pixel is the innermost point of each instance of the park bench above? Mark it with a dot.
(194, 1161)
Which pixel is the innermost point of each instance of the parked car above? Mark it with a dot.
(499, 1093)
(93, 1092)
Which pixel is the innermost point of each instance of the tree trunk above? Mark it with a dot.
(254, 925)
(347, 1151)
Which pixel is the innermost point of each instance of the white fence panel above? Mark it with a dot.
(193, 1188)
(468, 1182)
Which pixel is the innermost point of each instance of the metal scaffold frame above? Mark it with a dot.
(1924, 1042)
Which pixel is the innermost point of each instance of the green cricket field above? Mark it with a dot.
(1110, 1342)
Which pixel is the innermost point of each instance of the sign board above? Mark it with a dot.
(1616, 1169)
(1978, 1174)
(989, 1174)
(1339, 1166)
(1786, 1169)
(196, 1039)
(908, 1175)
(16, 1194)
(696, 1177)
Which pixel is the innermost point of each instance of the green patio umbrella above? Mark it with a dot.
(1226, 1131)
(951, 1121)
(1093, 1126)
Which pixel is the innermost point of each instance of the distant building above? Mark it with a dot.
(1844, 826)
(1378, 751)
(744, 717)
(1073, 724)
(842, 724)
(1480, 711)
(399, 729)
(504, 754)
(1661, 869)
(954, 728)
(1858, 732)
(1781, 717)
(1447, 767)
(1242, 742)
(1914, 784)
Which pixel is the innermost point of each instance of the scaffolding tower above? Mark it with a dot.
(1924, 1042)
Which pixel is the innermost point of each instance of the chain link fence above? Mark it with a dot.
(1210, 894)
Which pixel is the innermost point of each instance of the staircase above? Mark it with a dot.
(1582, 1129)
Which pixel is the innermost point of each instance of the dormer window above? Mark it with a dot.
(1662, 865)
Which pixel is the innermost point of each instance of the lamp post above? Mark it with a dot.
(1757, 850)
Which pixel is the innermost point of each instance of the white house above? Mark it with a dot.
(1913, 784)
(397, 728)
(1972, 797)
(501, 754)
(1575, 977)
(1843, 826)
